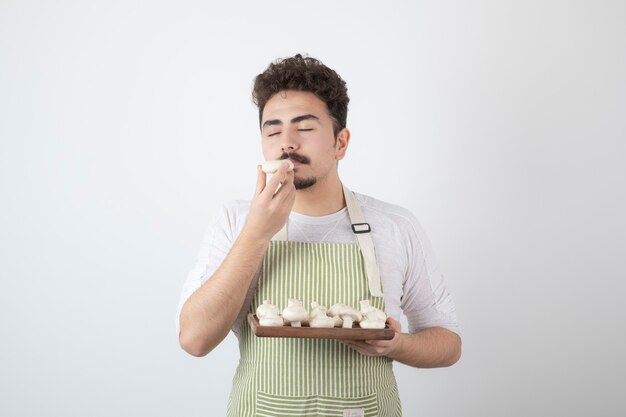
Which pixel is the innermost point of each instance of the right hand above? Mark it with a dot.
(270, 209)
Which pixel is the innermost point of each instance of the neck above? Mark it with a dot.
(320, 199)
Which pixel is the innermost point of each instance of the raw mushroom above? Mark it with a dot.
(271, 321)
(322, 321)
(347, 314)
(318, 309)
(267, 309)
(268, 314)
(319, 317)
(371, 312)
(271, 166)
(371, 324)
(295, 314)
(373, 318)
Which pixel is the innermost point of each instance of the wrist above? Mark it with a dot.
(254, 236)
(397, 347)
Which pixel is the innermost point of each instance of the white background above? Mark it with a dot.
(125, 124)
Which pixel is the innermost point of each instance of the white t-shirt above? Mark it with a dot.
(411, 279)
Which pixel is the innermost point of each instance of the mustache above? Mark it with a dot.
(296, 157)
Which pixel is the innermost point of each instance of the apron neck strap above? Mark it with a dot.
(362, 232)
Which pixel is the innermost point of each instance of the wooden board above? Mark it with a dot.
(306, 332)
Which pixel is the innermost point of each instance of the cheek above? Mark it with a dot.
(268, 151)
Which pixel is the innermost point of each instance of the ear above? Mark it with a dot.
(343, 139)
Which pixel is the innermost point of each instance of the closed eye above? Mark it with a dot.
(273, 134)
(304, 130)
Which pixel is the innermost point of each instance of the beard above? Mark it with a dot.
(304, 183)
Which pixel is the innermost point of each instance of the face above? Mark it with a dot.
(297, 125)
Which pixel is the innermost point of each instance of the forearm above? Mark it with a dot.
(429, 348)
(209, 313)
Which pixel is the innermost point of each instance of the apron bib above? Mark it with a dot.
(311, 377)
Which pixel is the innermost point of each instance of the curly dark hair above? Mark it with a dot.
(304, 74)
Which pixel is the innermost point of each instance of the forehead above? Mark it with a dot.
(287, 104)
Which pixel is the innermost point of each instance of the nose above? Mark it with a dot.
(289, 142)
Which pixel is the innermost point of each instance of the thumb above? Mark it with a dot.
(394, 324)
(260, 181)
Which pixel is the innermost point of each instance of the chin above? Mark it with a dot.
(304, 183)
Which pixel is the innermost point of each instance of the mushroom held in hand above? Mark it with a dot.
(270, 167)
(295, 314)
(347, 314)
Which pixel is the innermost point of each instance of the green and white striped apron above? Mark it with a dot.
(312, 377)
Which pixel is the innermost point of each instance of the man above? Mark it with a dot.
(299, 238)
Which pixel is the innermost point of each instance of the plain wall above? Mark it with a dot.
(124, 125)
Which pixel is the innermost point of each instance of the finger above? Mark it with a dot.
(289, 176)
(276, 179)
(394, 324)
(356, 344)
(285, 172)
(286, 186)
(360, 349)
(377, 347)
(260, 180)
(286, 189)
(350, 343)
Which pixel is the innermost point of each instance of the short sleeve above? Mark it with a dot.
(426, 300)
(216, 243)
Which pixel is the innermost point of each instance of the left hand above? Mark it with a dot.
(378, 347)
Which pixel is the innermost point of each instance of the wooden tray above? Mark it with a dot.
(306, 332)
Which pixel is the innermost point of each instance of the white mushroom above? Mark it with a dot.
(295, 313)
(346, 313)
(372, 324)
(372, 313)
(318, 310)
(319, 318)
(322, 321)
(268, 314)
(271, 166)
(267, 309)
(373, 318)
(271, 321)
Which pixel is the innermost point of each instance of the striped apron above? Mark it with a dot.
(312, 377)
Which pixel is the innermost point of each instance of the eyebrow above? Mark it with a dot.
(272, 122)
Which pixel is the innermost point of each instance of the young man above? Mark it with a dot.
(296, 239)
